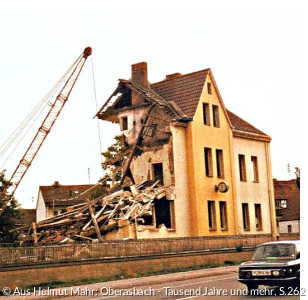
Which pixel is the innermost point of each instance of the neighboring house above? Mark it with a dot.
(217, 163)
(54, 199)
(287, 199)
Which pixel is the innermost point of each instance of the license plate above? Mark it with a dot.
(261, 273)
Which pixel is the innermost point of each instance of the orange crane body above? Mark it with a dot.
(44, 129)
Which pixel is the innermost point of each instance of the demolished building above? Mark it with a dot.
(190, 168)
(180, 133)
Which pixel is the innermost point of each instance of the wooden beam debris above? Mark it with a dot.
(92, 220)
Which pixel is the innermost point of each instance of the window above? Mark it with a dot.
(208, 162)
(124, 123)
(209, 88)
(206, 114)
(289, 228)
(254, 161)
(242, 165)
(216, 122)
(158, 173)
(281, 203)
(220, 163)
(258, 217)
(211, 215)
(245, 211)
(223, 215)
(55, 212)
(63, 210)
(163, 213)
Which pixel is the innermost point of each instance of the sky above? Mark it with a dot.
(254, 48)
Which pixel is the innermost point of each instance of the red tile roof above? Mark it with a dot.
(288, 189)
(184, 90)
(66, 195)
(240, 124)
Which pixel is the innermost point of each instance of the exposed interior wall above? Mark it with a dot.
(142, 166)
(134, 117)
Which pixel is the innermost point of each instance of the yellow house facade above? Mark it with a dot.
(216, 164)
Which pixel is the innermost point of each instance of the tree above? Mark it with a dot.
(298, 176)
(114, 157)
(11, 213)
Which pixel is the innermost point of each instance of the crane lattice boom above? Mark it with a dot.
(45, 128)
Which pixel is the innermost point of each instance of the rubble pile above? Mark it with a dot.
(92, 220)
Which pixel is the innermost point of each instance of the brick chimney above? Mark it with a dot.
(56, 184)
(139, 76)
(174, 75)
(140, 73)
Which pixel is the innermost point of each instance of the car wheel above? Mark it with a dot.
(251, 286)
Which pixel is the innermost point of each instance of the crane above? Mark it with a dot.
(43, 131)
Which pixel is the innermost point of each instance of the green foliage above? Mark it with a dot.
(113, 151)
(11, 213)
(109, 166)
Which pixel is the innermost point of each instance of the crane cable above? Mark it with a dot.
(21, 131)
(96, 109)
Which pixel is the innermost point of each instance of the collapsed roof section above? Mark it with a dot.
(120, 99)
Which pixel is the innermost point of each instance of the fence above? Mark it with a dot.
(14, 256)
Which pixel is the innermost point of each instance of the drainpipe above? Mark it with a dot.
(270, 191)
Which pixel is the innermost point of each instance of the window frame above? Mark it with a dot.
(279, 202)
(223, 213)
(124, 123)
(220, 163)
(211, 214)
(258, 217)
(209, 88)
(242, 167)
(162, 173)
(206, 114)
(255, 168)
(216, 119)
(208, 161)
(245, 216)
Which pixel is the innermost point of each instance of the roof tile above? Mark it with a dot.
(65, 195)
(288, 189)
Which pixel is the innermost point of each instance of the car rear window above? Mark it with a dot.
(275, 251)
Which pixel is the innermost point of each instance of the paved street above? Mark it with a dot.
(213, 287)
(213, 283)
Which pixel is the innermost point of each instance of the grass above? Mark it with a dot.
(126, 274)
